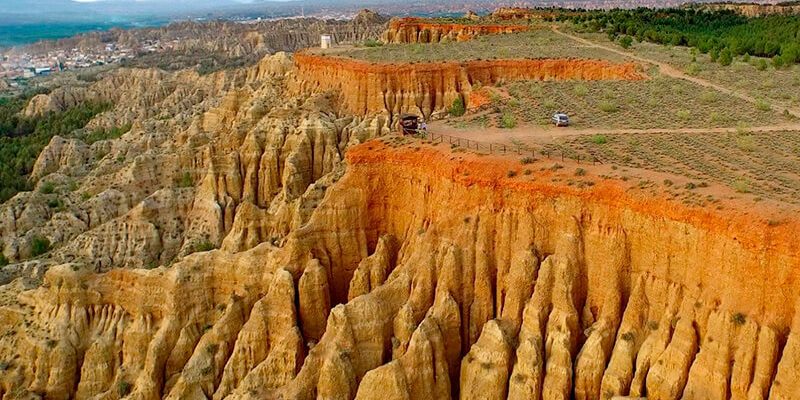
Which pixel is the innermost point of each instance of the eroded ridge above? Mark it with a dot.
(418, 30)
(421, 275)
(369, 88)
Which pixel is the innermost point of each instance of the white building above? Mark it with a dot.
(326, 41)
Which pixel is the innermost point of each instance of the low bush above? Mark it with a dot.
(508, 121)
(39, 245)
(124, 388)
(457, 109)
(607, 106)
(599, 139)
(47, 188)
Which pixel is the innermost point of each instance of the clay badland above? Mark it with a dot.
(264, 233)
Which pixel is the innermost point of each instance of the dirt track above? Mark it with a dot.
(671, 71)
(545, 134)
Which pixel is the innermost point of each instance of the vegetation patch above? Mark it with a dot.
(23, 138)
(39, 245)
(723, 34)
(763, 165)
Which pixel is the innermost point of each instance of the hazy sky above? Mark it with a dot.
(70, 10)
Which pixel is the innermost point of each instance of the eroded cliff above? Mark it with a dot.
(417, 30)
(424, 274)
(425, 88)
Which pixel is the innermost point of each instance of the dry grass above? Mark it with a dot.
(538, 43)
(763, 164)
(774, 85)
(661, 102)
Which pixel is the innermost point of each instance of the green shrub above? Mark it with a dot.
(762, 105)
(204, 246)
(777, 62)
(508, 121)
(693, 69)
(124, 388)
(762, 65)
(738, 319)
(55, 203)
(3, 260)
(39, 245)
(709, 97)
(609, 107)
(581, 90)
(725, 57)
(745, 143)
(372, 43)
(599, 139)
(47, 188)
(457, 109)
(625, 41)
(741, 186)
(106, 134)
(186, 181)
(580, 172)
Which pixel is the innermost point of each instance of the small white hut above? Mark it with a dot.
(326, 41)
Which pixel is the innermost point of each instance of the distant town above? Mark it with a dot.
(25, 65)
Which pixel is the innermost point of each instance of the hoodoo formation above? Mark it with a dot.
(261, 233)
(369, 88)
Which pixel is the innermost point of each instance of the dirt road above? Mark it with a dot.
(546, 134)
(673, 72)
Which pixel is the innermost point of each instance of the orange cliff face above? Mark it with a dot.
(426, 88)
(733, 261)
(417, 30)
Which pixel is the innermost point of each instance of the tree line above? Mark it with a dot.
(722, 34)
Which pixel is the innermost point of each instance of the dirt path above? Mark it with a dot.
(673, 72)
(547, 134)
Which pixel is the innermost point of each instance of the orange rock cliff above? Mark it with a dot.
(368, 88)
(417, 30)
(425, 276)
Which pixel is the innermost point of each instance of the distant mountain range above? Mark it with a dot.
(26, 21)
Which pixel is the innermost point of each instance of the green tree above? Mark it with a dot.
(625, 41)
(725, 57)
(457, 109)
